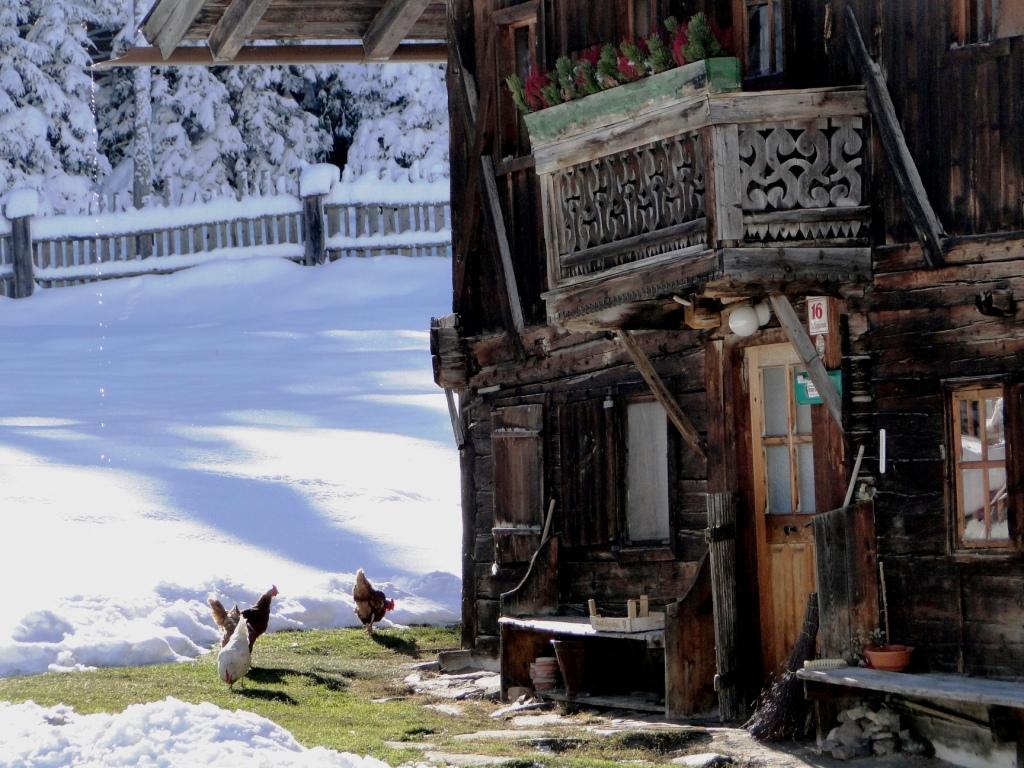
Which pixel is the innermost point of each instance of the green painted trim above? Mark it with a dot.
(625, 101)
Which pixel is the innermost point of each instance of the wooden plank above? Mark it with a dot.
(788, 265)
(662, 394)
(727, 194)
(721, 535)
(690, 650)
(638, 703)
(275, 55)
(798, 337)
(314, 234)
(21, 242)
(498, 231)
(919, 208)
(831, 547)
(169, 21)
(235, 27)
(930, 686)
(575, 626)
(390, 26)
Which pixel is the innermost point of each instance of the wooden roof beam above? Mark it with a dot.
(391, 25)
(235, 26)
(200, 56)
(168, 21)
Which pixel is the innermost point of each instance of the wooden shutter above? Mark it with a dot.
(588, 495)
(518, 455)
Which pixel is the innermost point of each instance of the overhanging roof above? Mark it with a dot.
(239, 31)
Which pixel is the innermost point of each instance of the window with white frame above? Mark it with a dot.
(978, 464)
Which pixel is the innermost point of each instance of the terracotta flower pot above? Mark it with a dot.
(889, 658)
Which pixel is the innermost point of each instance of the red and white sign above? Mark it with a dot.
(817, 315)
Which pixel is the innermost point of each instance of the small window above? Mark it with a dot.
(982, 21)
(647, 507)
(979, 467)
(764, 37)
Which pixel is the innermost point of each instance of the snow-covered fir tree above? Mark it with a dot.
(278, 137)
(195, 142)
(47, 129)
(191, 132)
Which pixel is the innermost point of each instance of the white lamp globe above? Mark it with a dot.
(743, 321)
(764, 312)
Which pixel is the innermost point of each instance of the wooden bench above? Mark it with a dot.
(669, 671)
(525, 638)
(1003, 700)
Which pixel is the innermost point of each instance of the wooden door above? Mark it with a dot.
(784, 497)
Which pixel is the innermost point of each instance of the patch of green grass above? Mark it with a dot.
(342, 689)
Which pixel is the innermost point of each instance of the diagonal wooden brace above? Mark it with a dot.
(808, 355)
(661, 393)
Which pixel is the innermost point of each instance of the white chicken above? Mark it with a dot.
(235, 658)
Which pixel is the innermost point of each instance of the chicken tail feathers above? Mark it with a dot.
(217, 609)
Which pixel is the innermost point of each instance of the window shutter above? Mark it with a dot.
(518, 456)
(588, 493)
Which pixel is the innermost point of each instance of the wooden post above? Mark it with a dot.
(721, 535)
(21, 242)
(919, 208)
(808, 354)
(314, 229)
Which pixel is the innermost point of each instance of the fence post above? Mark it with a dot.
(314, 229)
(22, 205)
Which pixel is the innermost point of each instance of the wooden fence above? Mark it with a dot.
(60, 251)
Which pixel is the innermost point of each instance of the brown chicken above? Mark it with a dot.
(371, 604)
(257, 617)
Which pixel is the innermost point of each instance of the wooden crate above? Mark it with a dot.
(638, 618)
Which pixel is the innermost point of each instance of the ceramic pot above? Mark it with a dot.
(889, 658)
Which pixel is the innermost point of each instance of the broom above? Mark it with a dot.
(781, 711)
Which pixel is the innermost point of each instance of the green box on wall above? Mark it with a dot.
(807, 393)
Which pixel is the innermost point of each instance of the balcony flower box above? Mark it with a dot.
(627, 102)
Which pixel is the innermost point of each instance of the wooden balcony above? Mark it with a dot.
(714, 192)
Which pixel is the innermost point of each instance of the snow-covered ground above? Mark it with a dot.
(233, 426)
(167, 733)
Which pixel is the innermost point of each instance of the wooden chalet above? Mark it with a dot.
(679, 316)
(619, 439)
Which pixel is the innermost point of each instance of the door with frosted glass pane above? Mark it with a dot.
(783, 473)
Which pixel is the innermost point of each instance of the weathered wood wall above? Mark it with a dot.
(965, 613)
(584, 468)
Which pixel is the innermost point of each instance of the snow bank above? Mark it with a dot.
(236, 425)
(134, 267)
(146, 219)
(168, 733)
(173, 622)
(372, 188)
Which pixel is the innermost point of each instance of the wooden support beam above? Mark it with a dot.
(798, 337)
(168, 22)
(453, 414)
(235, 27)
(200, 56)
(661, 393)
(496, 221)
(390, 26)
(919, 208)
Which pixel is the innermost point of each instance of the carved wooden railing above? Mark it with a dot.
(708, 172)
